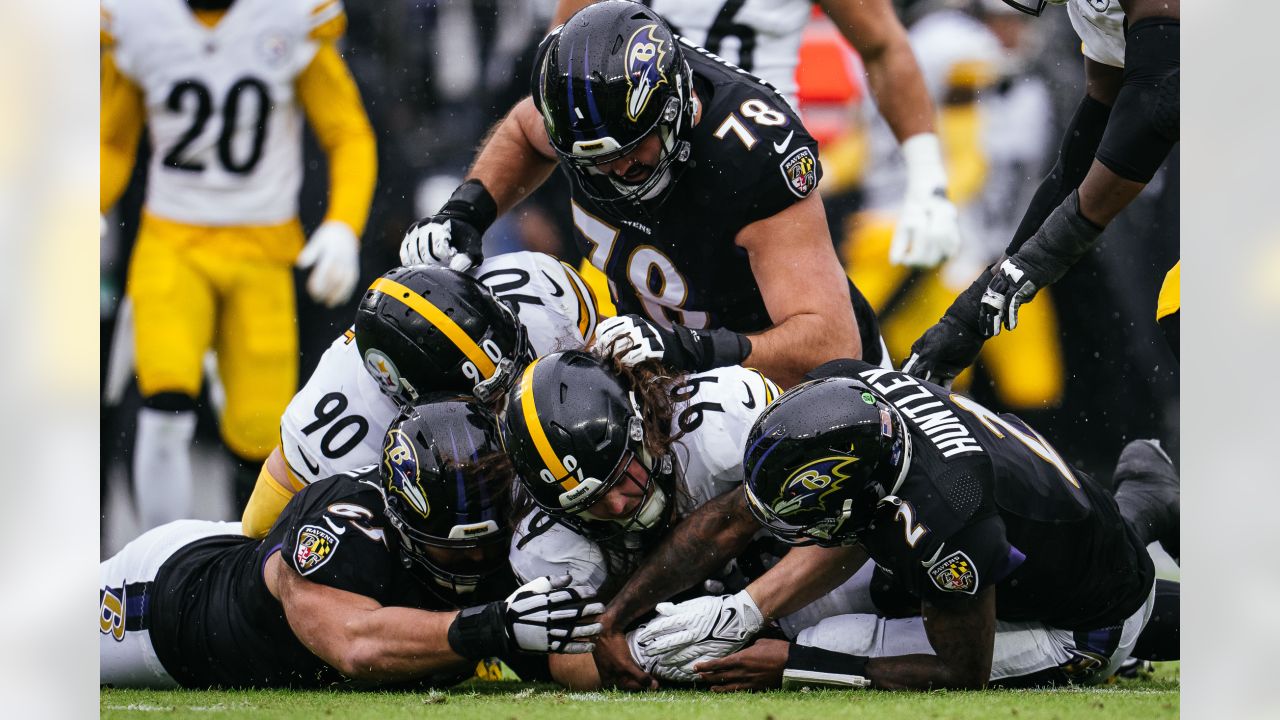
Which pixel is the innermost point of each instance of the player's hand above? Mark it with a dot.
(943, 352)
(700, 629)
(442, 240)
(548, 615)
(758, 666)
(680, 348)
(928, 229)
(631, 337)
(1015, 283)
(616, 662)
(333, 254)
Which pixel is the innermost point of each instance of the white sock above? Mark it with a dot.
(162, 465)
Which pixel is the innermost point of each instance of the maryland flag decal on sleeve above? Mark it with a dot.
(315, 547)
(955, 573)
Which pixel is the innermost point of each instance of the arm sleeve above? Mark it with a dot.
(123, 114)
(332, 102)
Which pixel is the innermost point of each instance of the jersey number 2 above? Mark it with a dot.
(177, 102)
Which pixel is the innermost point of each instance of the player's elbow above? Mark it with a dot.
(360, 659)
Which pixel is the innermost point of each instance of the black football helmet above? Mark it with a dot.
(424, 329)
(572, 430)
(441, 477)
(821, 458)
(604, 81)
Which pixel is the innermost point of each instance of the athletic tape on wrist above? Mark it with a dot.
(479, 632)
(810, 665)
(472, 203)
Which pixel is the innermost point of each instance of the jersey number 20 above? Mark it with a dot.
(203, 110)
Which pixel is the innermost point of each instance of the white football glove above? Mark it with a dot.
(431, 242)
(636, 340)
(544, 615)
(333, 254)
(704, 628)
(928, 227)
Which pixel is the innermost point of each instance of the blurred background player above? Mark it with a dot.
(223, 85)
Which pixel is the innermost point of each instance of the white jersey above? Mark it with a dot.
(225, 124)
(759, 36)
(1100, 25)
(715, 411)
(337, 421)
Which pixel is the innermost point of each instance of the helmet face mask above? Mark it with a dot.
(821, 459)
(440, 497)
(612, 77)
(575, 434)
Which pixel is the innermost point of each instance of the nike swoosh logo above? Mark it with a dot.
(726, 619)
(559, 290)
(782, 146)
(313, 467)
(337, 529)
(750, 402)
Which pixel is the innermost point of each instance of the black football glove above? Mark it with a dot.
(953, 343)
(1043, 259)
(635, 340)
(452, 237)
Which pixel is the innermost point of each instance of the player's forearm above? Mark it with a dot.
(921, 672)
(575, 672)
(898, 88)
(511, 164)
(332, 102)
(120, 128)
(395, 643)
(788, 350)
(802, 576)
(703, 542)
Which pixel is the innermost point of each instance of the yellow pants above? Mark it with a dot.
(226, 288)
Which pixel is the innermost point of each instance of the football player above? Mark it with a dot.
(693, 190)
(610, 456)
(1020, 568)
(223, 87)
(392, 572)
(1123, 129)
(763, 38)
(419, 329)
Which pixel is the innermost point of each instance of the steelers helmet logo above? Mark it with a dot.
(400, 462)
(382, 369)
(644, 56)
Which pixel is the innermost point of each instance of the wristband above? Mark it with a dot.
(709, 349)
(473, 203)
(479, 632)
(809, 666)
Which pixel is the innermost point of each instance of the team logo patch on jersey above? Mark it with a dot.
(400, 462)
(644, 69)
(274, 46)
(315, 547)
(111, 620)
(382, 370)
(800, 170)
(955, 573)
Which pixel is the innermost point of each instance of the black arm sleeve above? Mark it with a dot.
(1144, 122)
(1079, 144)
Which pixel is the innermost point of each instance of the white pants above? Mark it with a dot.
(125, 654)
(1021, 649)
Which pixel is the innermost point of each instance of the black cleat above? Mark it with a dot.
(1147, 491)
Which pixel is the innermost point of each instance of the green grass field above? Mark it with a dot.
(1155, 697)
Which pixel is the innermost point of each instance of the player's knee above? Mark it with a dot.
(170, 402)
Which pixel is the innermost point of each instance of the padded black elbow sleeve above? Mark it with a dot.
(1079, 145)
(1144, 121)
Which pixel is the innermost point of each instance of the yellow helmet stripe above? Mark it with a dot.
(436, 317)
(537, 434)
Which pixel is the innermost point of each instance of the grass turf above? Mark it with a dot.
(1155, 697)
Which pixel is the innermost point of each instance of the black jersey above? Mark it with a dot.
(677, 261)
(214, 623)
(988, 502)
